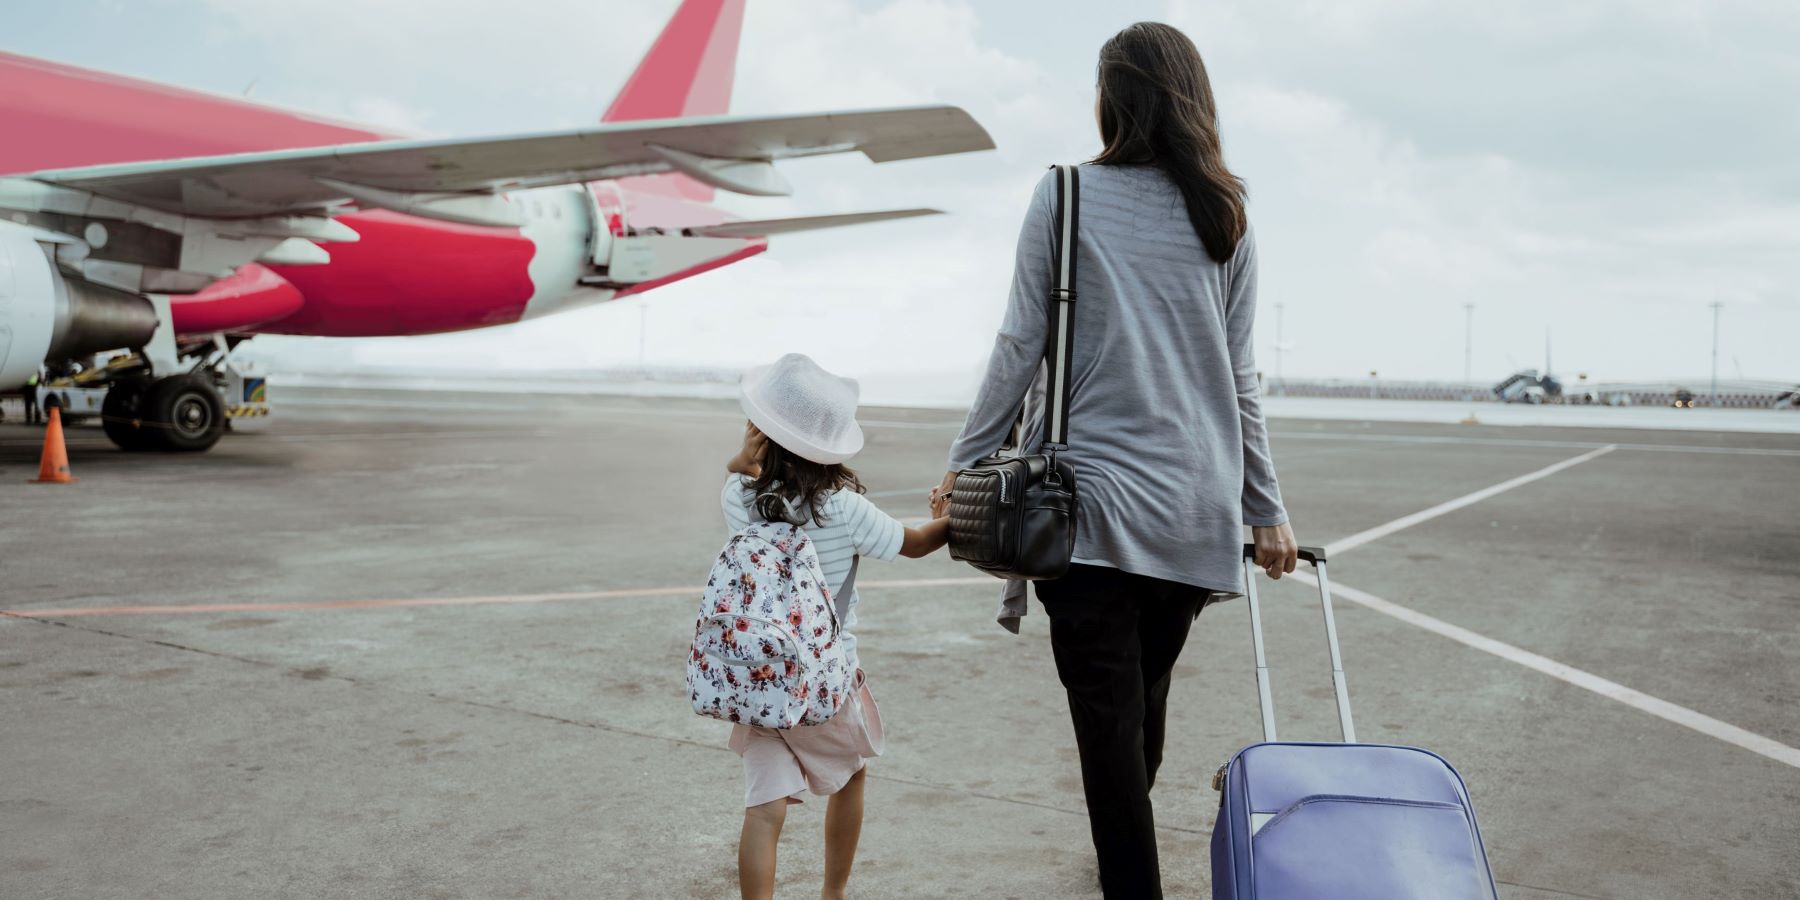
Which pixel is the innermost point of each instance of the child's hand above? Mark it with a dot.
(748, 460)
(940, 496)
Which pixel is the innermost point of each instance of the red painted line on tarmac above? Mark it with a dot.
(624, 593)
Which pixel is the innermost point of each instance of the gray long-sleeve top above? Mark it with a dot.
(1166, 430)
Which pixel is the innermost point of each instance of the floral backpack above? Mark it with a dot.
(766, 648)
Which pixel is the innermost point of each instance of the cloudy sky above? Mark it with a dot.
(1594, 170)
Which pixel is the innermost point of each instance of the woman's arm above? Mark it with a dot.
(925, 539)
(1276, 549)
(1019, 347)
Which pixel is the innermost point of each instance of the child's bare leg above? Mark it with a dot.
(843, 826)
(756, 849)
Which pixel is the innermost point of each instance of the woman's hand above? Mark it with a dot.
(1276, 549)
(940, 496)
(748, 460)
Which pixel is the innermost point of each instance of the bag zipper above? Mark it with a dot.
(781, 634)
(724, 660)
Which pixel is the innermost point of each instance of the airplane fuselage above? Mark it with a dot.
(147, 230)
(406, 275)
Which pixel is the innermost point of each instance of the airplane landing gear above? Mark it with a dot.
(185, 413)
(181, 412)
(122, 414)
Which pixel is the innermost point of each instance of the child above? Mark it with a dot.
(802, 429)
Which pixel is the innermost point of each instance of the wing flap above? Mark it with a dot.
(294, 181)
(766, 227)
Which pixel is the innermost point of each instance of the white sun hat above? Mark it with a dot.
(805, 409)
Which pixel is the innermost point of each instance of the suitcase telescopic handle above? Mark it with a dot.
(1313, 555)
(1265, 701)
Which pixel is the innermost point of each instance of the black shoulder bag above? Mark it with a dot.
(1013, 516)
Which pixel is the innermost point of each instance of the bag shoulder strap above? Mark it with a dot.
(1060, 349)
(1059, 345)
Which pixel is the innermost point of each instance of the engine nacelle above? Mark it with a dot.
(45, 317)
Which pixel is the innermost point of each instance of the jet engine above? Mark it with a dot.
(45, 316)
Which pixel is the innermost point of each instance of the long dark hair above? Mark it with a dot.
(1156, 108)
(798, 481)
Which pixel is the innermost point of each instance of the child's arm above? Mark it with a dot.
(748, 460)
(925, 539)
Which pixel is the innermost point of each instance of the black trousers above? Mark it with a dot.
(1116, 637)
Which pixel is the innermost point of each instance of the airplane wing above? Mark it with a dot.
(765, 227)
(733, 152)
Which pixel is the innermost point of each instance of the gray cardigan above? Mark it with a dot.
(1166, 429)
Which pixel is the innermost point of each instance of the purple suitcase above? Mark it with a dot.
(1349, 821)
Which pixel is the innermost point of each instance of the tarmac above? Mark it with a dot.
(431, 645)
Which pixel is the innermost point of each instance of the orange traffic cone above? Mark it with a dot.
(54, 469)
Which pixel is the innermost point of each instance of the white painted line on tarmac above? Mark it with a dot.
(573, 404)
(903, 492)
(284, 606)
(1449, 506)
(1612, 690)
(1524, 442)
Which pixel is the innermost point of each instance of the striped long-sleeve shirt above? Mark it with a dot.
(850, 526)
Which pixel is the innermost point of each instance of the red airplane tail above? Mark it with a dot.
(688, 72)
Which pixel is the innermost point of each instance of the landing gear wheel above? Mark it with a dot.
(122, 415)
(185, 413)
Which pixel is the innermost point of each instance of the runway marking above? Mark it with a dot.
(574, 404)
(903, 492)
(1525, 442)
(1449, 506)
(283, 606)
(1612, 690)
(595, 724)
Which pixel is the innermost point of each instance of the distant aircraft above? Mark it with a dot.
(175, 224)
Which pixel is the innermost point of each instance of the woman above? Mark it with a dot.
(1166, 430)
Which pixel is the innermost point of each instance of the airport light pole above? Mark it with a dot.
(1715, 359)
(1468, 352)
(1280, 346)
(643, 333)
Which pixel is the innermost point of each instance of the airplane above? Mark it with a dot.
(174, 224)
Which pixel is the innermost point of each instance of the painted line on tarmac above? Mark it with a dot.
(1526, 442)
(574, 404)
(903, 492)
(284, 606)
(1612, 690)
(416, 434)
(1449, 506)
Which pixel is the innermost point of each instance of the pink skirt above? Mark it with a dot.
(788, 762)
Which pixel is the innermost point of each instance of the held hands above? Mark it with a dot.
(1277, 551)
(748, 460)
(940, 496)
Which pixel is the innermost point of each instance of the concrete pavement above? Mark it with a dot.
(543, 749)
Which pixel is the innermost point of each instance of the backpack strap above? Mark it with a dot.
(840, 598)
